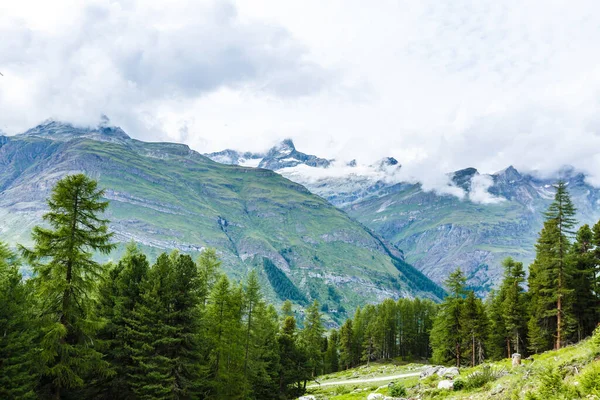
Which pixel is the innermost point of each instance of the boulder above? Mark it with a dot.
(375, 396)
(446, 384)
(516, 360)
(429, 371)
(450, 373)
(309, 397)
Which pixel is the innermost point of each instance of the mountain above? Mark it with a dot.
(166, 196)
(488, 218)
(284, 155)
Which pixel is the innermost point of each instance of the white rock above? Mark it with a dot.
(375, 396)
(429, 371)
(309, 397)
(448, 372)
(446, 384)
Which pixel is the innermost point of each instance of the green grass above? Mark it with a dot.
(572, 372)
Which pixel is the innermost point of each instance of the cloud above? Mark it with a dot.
(440, 86)
(127, 59)
(479, 190)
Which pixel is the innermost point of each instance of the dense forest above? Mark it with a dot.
(178, 328)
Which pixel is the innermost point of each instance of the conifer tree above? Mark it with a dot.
(153, 334)
(119, 294)
(550, 274)
(224, 313)
(332, 360)
(474, 328)
(499, 341)
(514, 306)
(294, 365)
(18, 369)
(347, 345)
(585, 300)
(312, 338)
(65, 280)
(446, 338)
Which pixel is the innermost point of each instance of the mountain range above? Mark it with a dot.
(474, 222)
(165, 196)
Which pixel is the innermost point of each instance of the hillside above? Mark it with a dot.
(572, 372)
(166, 196)
(496, 215)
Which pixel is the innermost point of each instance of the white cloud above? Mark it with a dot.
(479, 190)
(438, 85)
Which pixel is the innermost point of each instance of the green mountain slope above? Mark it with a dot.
(166, 196)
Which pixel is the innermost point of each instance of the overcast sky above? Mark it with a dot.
(439, 85)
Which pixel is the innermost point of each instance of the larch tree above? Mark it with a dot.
(446, 334)
(550, 274)
(65, 278)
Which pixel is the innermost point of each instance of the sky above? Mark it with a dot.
(439, 85)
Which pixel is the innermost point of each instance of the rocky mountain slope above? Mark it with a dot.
(488, 218)
(166, 196)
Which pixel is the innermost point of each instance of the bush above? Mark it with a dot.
(459, 384)
(479, 378)
(589, 380)
(396, 390)
(552, 385)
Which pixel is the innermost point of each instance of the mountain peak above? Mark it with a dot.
(509, 174)
(462, 177)
(65, 131)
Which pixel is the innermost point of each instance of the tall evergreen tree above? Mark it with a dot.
(474, 328)
(347, 347)
(18, 350)
(311, 338)
(585, 299)
(119, 294)
(446, 335)
(65, 280)
(332, 360)
(550, 274)
(514, 305)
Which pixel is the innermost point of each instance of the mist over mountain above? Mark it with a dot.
(471, 220)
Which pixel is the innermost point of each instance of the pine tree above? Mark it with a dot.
(311, 338)
(294, 364)
(18, 370)
(224, 319)
(347, 345)
(473, 328)
(264, 355)
(498, 340)
(446, 338)
(332, 360)
(153, 334)
(119, 295)
(209, 272)
(585, 300)
(65, 280)
(514, 306)
(550, 275)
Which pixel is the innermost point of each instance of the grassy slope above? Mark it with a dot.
(164, 195)
(570, 373)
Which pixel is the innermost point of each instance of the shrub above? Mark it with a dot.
(459, 384)
(479, 378)
(397, 390)
(589, 380)
(552, 385)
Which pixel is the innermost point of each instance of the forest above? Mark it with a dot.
(179, 328)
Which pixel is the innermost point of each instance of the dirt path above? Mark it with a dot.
(378, 379)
